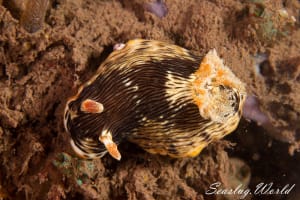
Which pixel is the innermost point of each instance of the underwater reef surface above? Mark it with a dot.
(48, 51)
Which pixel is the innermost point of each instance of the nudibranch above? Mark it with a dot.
(157, 95)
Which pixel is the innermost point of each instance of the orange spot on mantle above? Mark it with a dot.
(204, 70)
(91, 106)
(220, 73)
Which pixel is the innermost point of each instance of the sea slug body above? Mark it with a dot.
(159, 96)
